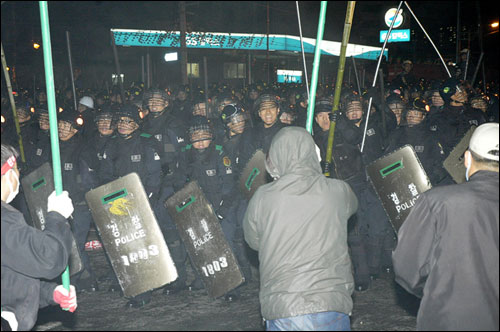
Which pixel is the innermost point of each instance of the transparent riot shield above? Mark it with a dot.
(398, 179)
(454, 163)
(131, 236)
(37, 186)
(204, 240)
(254, 174)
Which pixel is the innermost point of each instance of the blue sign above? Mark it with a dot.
(239, 41)
(396, 36)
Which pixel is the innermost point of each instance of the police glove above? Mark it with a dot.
(61, 204)
(66, 299)
(334, 116)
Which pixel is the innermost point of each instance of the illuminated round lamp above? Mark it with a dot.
(36, 46)
(60, 109)
(79, 121)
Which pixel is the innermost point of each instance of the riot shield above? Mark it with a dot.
(204, 240)
(254, 174)
(454, 163)
(37, 187)
(398, 179)
(131, 236)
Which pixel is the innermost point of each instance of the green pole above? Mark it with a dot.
(317, 56)
(13, 105)
(51, 101)
(338, 84)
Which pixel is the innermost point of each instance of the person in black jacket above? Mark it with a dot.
(77, 179)
(447, 250)
(30, 255)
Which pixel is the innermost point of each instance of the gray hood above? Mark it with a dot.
(292, 151)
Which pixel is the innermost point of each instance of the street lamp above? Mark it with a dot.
(36, 46)
(494, 25)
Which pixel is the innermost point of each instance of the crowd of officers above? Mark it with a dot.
(170, 137)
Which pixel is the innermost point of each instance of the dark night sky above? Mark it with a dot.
(89, 21)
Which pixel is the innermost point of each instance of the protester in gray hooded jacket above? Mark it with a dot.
(298, 223)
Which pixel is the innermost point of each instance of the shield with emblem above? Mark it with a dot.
(254, 174)
(398, 179)
(204, 240)
(131, 236)
(37, 186)
(454, 163)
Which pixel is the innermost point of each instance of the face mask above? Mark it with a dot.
(469, 161)
(13, 193)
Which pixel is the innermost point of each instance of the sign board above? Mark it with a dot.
(289, 76)
(131, 235)
(389, 16)
(240, 41)
(402, 35)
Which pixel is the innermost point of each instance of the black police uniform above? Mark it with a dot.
(78, 179)
(426, 145)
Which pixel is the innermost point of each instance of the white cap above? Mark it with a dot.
(484, 141)
(87, 101)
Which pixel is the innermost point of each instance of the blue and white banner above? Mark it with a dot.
(239, 41)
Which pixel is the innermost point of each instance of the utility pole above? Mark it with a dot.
(182, 13)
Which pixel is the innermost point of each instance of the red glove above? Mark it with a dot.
(67, 300)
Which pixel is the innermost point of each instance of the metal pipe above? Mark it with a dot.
(338, 83)
(302, 47)
(205, 72)
(477, 70)
(376, 74)
(117, 66)
(356, 74)
(71, 71)
(13, 105)
(317, 55)
(51, 103)
(428, 37)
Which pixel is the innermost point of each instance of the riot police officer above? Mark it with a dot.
(77, 179)
(458, 117)
(133, 151)
(237, 122)
(415, 132)
(211, 167)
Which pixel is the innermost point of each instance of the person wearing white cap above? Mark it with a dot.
(447, 251)
(87, 112)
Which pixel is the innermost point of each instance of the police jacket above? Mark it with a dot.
(136, 154)
(94, 155)
(29, 255)
(457, 120)
(298, 224)
(213, 170)
(424, 142)
(447, 254)
(39, 152)
(77, 176)
(169, 132)
(259, 137)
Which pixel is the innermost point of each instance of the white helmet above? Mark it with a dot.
(87, 101)
(484, 141)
